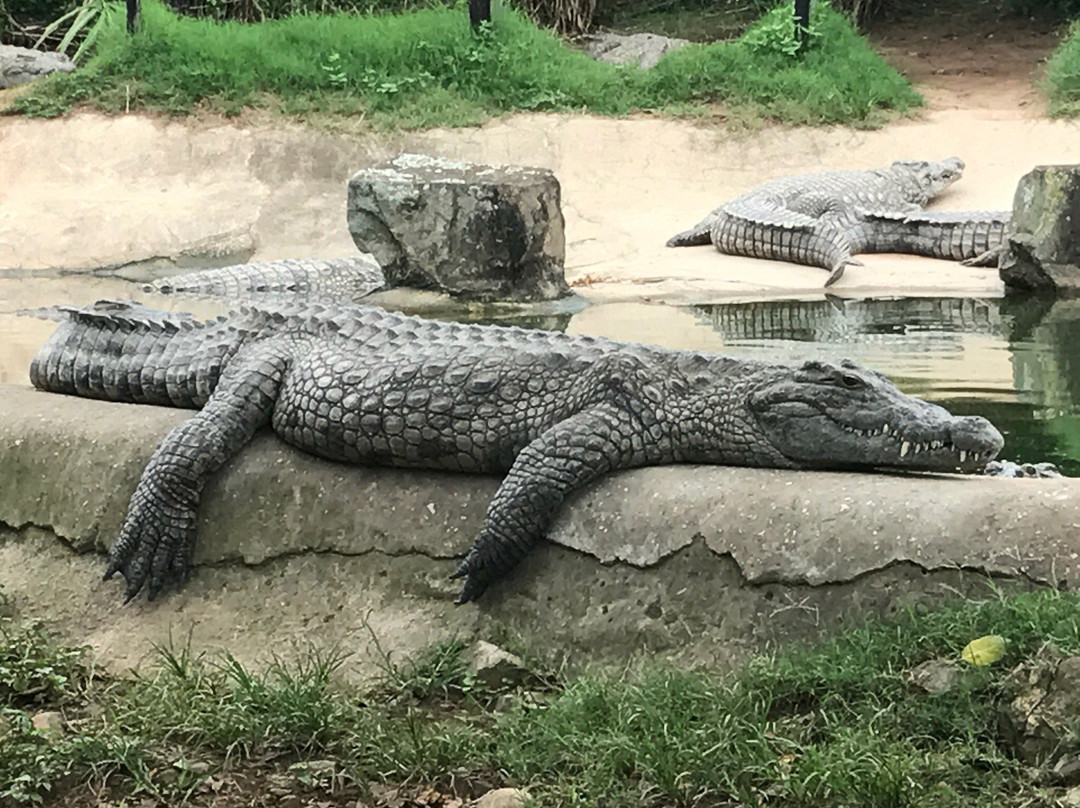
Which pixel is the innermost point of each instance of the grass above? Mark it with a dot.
(832, 725)
(427, 67)
(1062, 82)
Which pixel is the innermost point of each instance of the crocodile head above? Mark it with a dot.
(923, 180)
(845, 416)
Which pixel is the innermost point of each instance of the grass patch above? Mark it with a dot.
(1062, 82)
(428, 68)
(833, 725)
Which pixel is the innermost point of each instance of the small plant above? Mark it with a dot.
(84, 25)
(335, 72)
(34, 668)
(776, 33)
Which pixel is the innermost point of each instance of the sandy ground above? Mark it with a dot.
(87, 190)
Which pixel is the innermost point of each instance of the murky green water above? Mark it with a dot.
(1015, 361)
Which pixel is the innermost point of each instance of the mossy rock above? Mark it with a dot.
(1043, 251)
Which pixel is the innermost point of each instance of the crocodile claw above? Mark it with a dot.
(155, 542)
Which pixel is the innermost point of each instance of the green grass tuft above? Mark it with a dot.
(427, 67)
(1062, 83)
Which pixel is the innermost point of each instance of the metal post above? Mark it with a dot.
(802, 21)
(132, 16)
(479, 11)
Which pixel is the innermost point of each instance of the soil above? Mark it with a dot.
(970, 55)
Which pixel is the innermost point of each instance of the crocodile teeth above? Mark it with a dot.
(963, 455)
(885, 429)
(904, 448)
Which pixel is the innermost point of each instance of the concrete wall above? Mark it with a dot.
(694, 562)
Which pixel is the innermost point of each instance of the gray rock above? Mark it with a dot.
(1039, 723)
(478, 232)
(1009, 468)
(495, 667)
(23, 65)
(643, 50)
(503, 798)
(935, 676)
(48, 722)
(1043, 249)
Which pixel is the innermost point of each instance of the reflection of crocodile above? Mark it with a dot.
(843, 321)
(309, 280)
(824, 219)
(550, 411)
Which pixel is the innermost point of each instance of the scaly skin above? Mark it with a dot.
(971, 237)
(824, 219)
(333, 280)
(550, 411)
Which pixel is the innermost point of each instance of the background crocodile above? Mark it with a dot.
(551, 411)
(824, 219)
(312, 280)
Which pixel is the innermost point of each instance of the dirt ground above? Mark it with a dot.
(967, 55)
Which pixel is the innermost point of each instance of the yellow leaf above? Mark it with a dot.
(985, 650)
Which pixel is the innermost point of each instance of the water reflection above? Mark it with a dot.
(1014, 360)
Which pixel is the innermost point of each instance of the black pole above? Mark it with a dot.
(132, 15)
(802, 20)
(479, 11)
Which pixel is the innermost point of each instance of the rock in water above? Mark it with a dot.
(22, 65)
(477, 232)
(1043, 248)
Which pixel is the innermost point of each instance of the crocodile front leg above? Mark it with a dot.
(158, 536)
(566, 457)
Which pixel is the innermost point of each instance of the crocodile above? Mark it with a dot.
(314, 280)
(549, 411)
(825, 219)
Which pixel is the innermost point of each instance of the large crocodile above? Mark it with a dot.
(825, 219)
(551, 411)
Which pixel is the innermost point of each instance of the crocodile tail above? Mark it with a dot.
(695, 236)
(121, 351)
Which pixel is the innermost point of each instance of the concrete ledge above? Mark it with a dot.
(694, 562)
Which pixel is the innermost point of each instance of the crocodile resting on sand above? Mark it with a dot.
(825, 219)
(550, 411)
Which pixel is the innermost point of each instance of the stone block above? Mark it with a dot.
(478, 232)
(22, 65)
(1043, 249)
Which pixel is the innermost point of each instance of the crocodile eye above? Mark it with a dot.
(850, 381)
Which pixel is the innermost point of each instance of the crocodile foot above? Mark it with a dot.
(157, 538)
(990, 258)
(838, 271)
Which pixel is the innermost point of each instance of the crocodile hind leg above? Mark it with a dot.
(561, 460)
(786, 236)
(158, 535)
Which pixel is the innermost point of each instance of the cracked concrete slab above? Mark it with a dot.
(697, 562)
